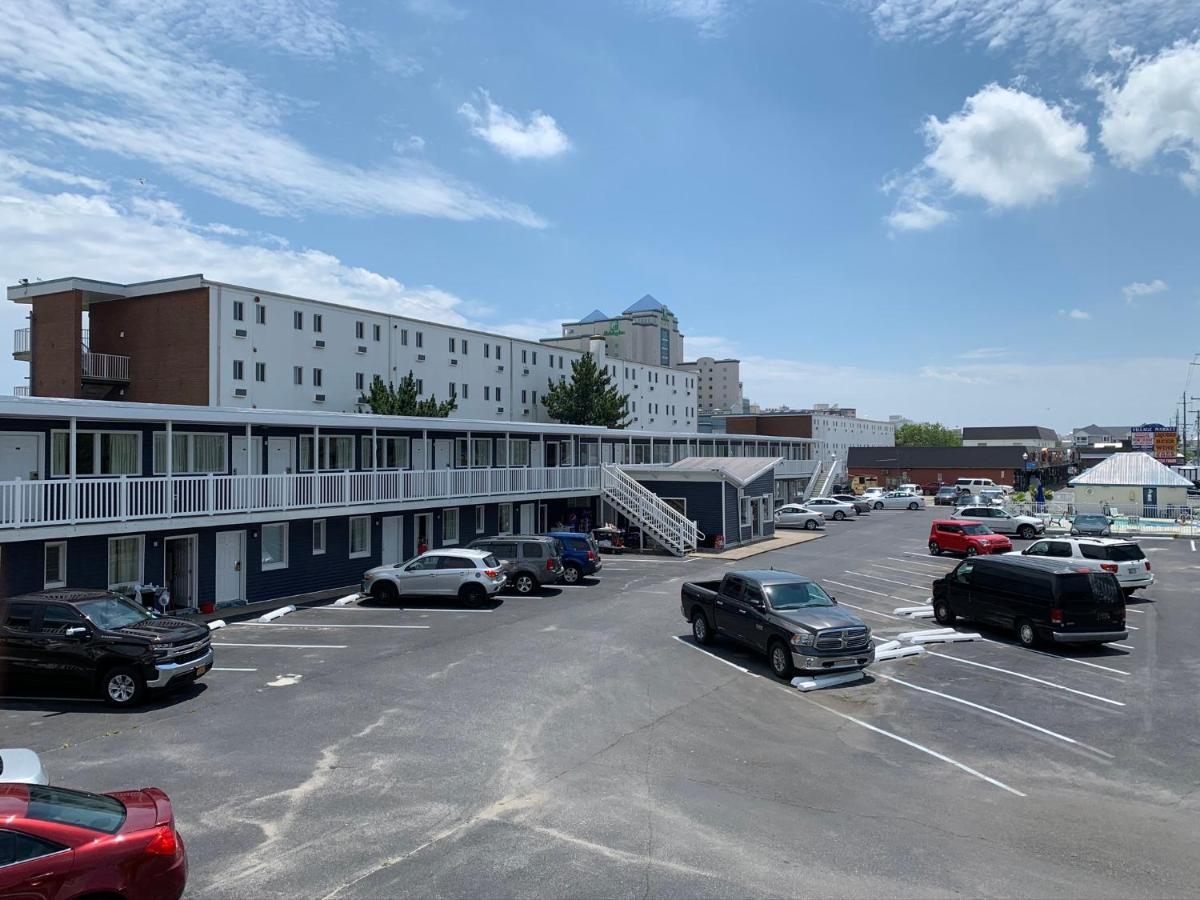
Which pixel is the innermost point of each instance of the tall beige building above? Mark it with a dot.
(718, 384)
(647, 333)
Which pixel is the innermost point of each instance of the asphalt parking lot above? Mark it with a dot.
(579, 744)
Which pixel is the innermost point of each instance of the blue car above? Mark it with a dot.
(581, 555)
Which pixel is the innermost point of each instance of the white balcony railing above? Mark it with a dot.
(28, 504)
(21, 390)
(22, 342)
(795, 467)
(105, 367)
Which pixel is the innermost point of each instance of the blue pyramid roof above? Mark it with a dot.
(594, 316)
(646, 304)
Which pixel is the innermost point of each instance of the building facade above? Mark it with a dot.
(1091, 435)
(836, 433)
(1027, 436)
(646, 333)
(718, 384)
(1011, 466)
(194, 341)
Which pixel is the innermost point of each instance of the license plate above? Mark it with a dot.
(200, 670)
(1133, 570)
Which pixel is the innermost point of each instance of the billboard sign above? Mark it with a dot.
(1165, 446)
(1160, 441)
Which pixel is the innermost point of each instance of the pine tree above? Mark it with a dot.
(588, 397)
(401, 400)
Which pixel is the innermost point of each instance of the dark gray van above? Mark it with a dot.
(1041, 599)
(530, 561)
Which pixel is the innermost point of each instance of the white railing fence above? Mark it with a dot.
(26, 504)
(105, 367)
(22, 341)
(666, 524)
(1125, 518)
(811, 487)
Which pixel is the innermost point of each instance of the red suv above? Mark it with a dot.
(964, 536)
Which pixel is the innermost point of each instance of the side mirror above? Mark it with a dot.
(76, 631)
(834, 599)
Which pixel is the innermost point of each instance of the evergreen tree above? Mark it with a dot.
(588, 397)
(927, 434)
(402, 400)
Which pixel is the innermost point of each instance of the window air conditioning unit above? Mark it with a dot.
(239, 332)
(499, 368)
(240, 392)
(499, 409)
(362, 348)
(318, 398)
(420, 357)
(320, 345)
(526, 412)
(454, 362)
(526, 371)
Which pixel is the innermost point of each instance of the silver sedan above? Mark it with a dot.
(899, 500)
(793, 515)
(832, 509)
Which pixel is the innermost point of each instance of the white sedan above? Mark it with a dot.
(898, 500)
(833, 509)
(793, 515)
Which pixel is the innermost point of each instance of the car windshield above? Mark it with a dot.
(976, 529)
(1091, 522)
(66, 807)
(114, 612)
(797, 595)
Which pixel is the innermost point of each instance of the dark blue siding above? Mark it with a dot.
(703, 502)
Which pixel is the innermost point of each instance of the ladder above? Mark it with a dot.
(660, 520)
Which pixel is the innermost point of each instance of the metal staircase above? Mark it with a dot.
(830, 475)
(812, 481)
(660, 520)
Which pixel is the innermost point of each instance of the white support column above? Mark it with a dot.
(374, 476)
(250, 453)
(169, 466)
(316, 451)
(71, 460)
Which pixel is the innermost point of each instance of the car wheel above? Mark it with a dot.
(971, 551)
(385, 592)
(838, 515)
(781, 660)
(914, 505)
(934, 549)
(1026, 633)
(700, 628)
(524, 583)
(1025, 532)
(472, 595)
(571, 574)
(810, 524)
(122, 687)
(943, 613)
(879, 504)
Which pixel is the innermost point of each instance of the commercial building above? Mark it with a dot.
(646, 333)
(1131, 483)
(1005, 465)
(191, 340)
(833, 430)
(1025, 436)
(1091, 435)
(718, 384)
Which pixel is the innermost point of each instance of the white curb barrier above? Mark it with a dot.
(909, 635)
(898, 653)
(815, 682)
(885, 646)
(946, 638)
(348, 600)
(215, 624)
(913, 611)
(276, 613)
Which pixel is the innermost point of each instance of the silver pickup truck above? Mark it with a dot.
(788, 617)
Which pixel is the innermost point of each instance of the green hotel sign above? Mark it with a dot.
(613, 330)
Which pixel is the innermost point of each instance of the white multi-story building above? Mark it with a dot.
(718, 384)
(196, 341)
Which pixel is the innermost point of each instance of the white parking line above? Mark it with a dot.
(1061, 687)
(855, 587)
(1070, 659)
(1132, 628)
(407, 609)
(284, 646)
(717, 658)
(1128, 647)
(871, 612)
(1140, 612)
(915, 587)
(230, 669)
(913, 562)
(318, 625)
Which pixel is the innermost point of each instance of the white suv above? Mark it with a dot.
(1002, 521)
(470, 575)
(1124, 559)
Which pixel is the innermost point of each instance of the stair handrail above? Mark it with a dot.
(664, 521)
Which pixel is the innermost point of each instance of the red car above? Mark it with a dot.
(965, 536)
(60, 844)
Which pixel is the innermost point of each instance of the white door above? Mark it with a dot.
(239, 456)
(21, 457)
(231, 554)
(418, 453)
(392, 549)
(281, 455)
(535, 454)
(443, 454)
(528, 518)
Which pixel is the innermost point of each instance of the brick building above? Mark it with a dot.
(891, 466)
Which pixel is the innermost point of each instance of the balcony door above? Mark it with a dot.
(20, 457)
(240, 465)
(281, 455)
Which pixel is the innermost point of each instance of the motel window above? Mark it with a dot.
(125, 560)
(420, 385)
(260, 314)
(464, 346)
(239, 370)
(512, 452)
(360, 330)
(498, 400)
(403, 337)
(360, 381)
(480, 515)
(466, 391)
(318, 323)
(298, 320)
(453, 348)
(450, 526)
(97, 453)
(504, 521)
(317, 377)
(190, 453)
(487, 389)
(260, 371)
(387, 453)
(318, 536)
(481, 453)
(420, 340)
(747, 514)
(497, 351)
(297, 374)
(524, 356)
(453, 389)
(487, 351)
(360, 536)
(239, 311)
(274, 546)
(55, 571)
(336, 452)
(376, 332)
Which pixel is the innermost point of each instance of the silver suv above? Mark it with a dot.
(1002, 521)
(470, 575)
(529, 561)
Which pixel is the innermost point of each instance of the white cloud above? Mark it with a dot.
(708, 16)
(1091, 27)
(1077, 314)
(126, 83)
(1155, 111)
(916, 215)
(986, 353)
(1144, 289)
(538, 138)
(299, 27)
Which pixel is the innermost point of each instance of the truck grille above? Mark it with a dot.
(843, 638)
(181, 653)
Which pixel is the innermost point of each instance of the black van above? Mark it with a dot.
(1041, 599)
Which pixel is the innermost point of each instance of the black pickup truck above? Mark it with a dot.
(97, 642)
(787, 616)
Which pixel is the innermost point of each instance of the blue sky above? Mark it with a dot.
(980, 212)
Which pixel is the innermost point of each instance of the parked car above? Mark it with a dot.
(529, 561)
(898, 500)
(947, 495)
(973, 485)
(969, 538)
(930, 488)
(1041, 599)
(470, 575)
(995, 496)
(581, 554)
(609, 539)
(1092, 526)
(832, 509)
(792, 515)
(60, 843)
(841, 489)
(100, 643)
(788, 617)
(21, 767)
(1123, 559)
(911, 488)
(1001, 520)
(873, 492)
(860, 504)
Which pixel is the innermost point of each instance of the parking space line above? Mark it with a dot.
(284, 646)
(913, 562)
(1123, 646)
(915, 587)
(318, 625)
(1070, 659)
(408, 609)
(872, 612)
(230, 669)
(985, 709)
(717, 658)
(855, 587)
(1140, 612)
(1052, 684)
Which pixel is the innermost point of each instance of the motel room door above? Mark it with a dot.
(391, 550)
(231, 566)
